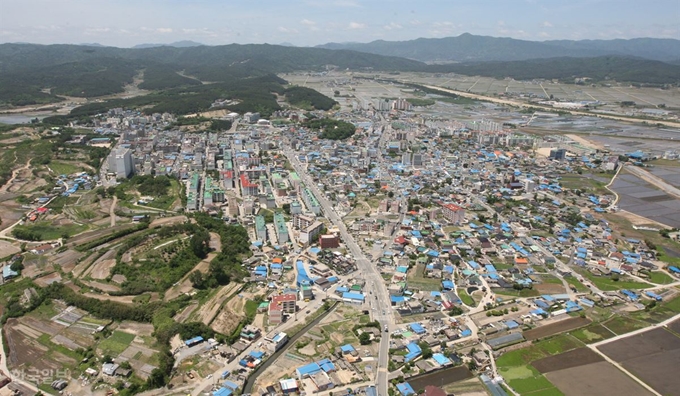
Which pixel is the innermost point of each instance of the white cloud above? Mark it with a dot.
(547, 24)
(311, 25)
(543, 34)
(287, 30)
(392, 26)
(356, 25)
(164, 30)
(97, 30)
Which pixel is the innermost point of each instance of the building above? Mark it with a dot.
(302, 222)
(247, 187)
(311, 201)
(309, 234)
(276, 341)
(260, 229)
(329, 242)
(281, 228)
(558, 154)
(288, 386)
(286, 302)
(250, 333)
(251, 118)
(120, 162)
(453, 213)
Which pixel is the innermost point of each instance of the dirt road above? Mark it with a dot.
(15, 173)
(654, 180)
(112, 211)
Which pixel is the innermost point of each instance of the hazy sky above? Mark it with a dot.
(125, 23)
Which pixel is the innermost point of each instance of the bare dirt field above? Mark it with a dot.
(210, 309)
(674, 326)
(10, 210)
(47, 280)
(567, 360)
(230, 316)
(105, 287)
(101, 268)
(549, 288)
(184, 315)
(24, 349)
(67, 259)
(652, 356)
(647, 343)
(659, 370)
(139, 329)
(599, 378)
(440, 377)
(555, 328)
(168, 221)
(6, 248)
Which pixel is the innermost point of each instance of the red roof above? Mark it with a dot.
(401, 240)
(452, 207)
(245, 182)
(283, 298)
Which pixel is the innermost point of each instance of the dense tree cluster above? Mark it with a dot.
(155, 186)
(331, 129)
(308, 98)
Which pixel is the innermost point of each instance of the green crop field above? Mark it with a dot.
(465, 297)
(64, 168)
(592, 333)
(606, 283)
(116, 343)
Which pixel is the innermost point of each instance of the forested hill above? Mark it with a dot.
(635, 70)
(34, 74)
(473, 48)
(262, 57)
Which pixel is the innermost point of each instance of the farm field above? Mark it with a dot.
(417, 279)
(599, 378)
(594, 332)
(651, 356)
(555, 328)
(441, 377)
(518, 370)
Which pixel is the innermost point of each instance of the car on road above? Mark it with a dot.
(386, 329)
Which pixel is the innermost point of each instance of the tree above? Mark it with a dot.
(157, 379)
(17, 266)
(200, 243)
(390, 194)
(455, 311)
(364, 338)
(197, 279)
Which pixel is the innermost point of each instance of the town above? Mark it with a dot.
(422, 253)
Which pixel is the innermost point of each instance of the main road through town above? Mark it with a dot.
(378, 298)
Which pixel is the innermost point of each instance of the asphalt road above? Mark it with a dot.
(374, 282)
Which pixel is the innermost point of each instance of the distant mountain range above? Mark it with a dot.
(176, 44)
(472, 48)
(34, 74)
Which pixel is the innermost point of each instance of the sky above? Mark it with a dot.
(125, 23)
